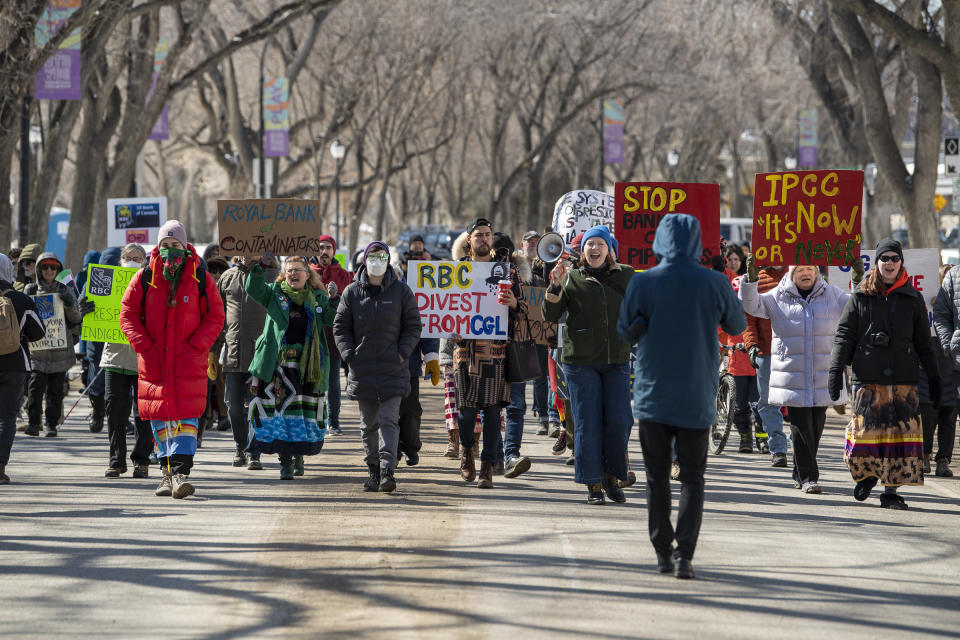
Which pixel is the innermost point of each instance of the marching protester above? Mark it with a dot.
(216, 410)
(290, 366)
(745, 384)
(946, 323)
(942, 421)
(595, 362)
(376, 329)
(546, 413)
(27, 266)
(93, 351)
(20, 324)
(756, 340)
(675, 308)
(884, 334)
(245, 319)
(50, 366)
(172, 313)
(90, 257)
(480, 375)
(803, 311)
(325, 263)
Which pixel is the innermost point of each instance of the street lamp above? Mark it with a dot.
(337, 150)
(263, 163)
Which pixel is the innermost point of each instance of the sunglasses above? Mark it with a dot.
(48, 267)
(893, 258)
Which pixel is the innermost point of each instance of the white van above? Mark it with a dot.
(738, 230)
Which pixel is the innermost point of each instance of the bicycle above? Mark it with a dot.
(726, 407)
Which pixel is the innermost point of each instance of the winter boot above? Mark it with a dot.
(181, 488)
(286, 468)
(298, 465)
(485, 479)
(254, 464)
(165, 488)
(4, 478)
(239, 458)
(453, 443)
(373, 482)
(746, 440)
(468, 468)
(387, 483)
(32, 430)
(95, 422)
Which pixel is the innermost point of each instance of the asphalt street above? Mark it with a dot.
(249, 556)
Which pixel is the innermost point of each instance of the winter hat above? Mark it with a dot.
(601, 232)
(6, 268)
(502, 241)
(31, 252)
(577, 242)
(889, 244)
(173, 229)
(328, 239)
(374, 246)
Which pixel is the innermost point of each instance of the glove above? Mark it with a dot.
(332, 289)
(68, 299)
(835, 383)
(87, 306)
(934, 385)
(857, 267)
(753, 272)
(266, 259)
(433, 370)
(752, 353)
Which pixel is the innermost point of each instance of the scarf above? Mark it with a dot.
(173, 260)
(311, 360)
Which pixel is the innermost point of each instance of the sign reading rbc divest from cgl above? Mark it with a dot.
(577, 211)
(459, 297)
(642, 205)
(807, 217)
(285, 226)
(135, 220)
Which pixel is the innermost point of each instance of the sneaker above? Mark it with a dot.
(555, 429)
(571, 460)
(811, 487)
(254, 464)
(32, 430)
(746, 444)
(926, 464)
(113, 472)
(298, 465)
(373, 482)
(515, 466)
(387, 482)
(141, 471)
(239, 458)
(595, 494)
(763, 446)
(51, 433)
(943, 469)
(181, 488)
(335, 431)
(612, 488)
(165, 488)
(892, 501)
(544, 429)
(779, 460)
(561, 444)
(675, 470)
(684, 569)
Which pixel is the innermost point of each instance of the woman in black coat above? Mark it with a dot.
(884, 333)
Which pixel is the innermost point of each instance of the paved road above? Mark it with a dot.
(251, 557)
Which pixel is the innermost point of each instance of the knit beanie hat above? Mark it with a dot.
(6, 268)
(173, 229)
(374, 246)
(328, 239)
(601, 232)
(889, 244)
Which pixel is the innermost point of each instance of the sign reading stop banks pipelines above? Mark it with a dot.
(285, 226)
(459, 297)
(640, 207)
(807, 217)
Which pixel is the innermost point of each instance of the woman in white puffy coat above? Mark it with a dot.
(804, 311)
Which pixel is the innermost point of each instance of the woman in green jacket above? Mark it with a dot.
(291, 363)
(595, 362)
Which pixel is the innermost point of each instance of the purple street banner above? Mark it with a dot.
(807, 138)
(59, 78)
(276, 118)
(613, 122)
(161, 128)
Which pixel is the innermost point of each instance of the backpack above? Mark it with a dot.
(201, 287)
(9, 326)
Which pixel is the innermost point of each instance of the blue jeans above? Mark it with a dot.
(770, 416)
(237, 396)
(513, 434)
(333, 392)
(491, 430)
(600, 403)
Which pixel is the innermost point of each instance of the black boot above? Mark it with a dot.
(96, 416)
(373, 482)
(746, 440)
(387, 483)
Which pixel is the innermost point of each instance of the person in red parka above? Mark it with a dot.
(745, 379)
(335, 278)
(172, 313)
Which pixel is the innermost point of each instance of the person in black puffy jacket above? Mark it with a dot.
(944, 420)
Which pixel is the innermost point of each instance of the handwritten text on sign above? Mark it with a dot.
(105, 286)
(807, 217)
(642, 205)
(540, 330)
(283, 226)
(460, 297)
(577, 211)
(50, 310)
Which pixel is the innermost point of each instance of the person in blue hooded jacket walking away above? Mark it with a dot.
(670, 310)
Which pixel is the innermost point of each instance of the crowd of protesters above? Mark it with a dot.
(257, 345)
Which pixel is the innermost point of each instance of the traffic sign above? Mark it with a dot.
(951, 156)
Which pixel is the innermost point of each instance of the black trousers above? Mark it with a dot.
(747, 392)
(121, 397)
(53, 387)
(410, 414)
(944, 422)
(691, 449)
(806, 428)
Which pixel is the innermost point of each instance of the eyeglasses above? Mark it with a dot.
(293, 271)
(48, 267)
(378, 258)
(893, 258)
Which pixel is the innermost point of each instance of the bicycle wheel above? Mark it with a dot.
(720, 431)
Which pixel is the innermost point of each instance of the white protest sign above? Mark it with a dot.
(577, 211)
(922, 265)
(135, 220)
(459, 297)
(50, 310)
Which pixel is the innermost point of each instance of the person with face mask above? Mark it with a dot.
(291, 364)
(803, 311)
(172, 313)
(377, 327)
(27, 266)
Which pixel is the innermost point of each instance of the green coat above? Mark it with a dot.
(267, 348)
(590, 334)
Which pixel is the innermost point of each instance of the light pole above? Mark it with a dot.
(337, 150)
(673, 159)
(23, 214)
(262, 192)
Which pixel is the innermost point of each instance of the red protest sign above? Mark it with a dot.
(640, 206)
(807, 217)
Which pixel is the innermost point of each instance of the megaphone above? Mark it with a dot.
(551, 247)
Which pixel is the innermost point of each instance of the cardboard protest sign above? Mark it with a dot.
(642, 205)
(540, 330)
(459, 297)
(135, 220)
(50, 310)
(105, 286)
(285, 226)
(807, 217)
(923, 268)
(577, 211)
